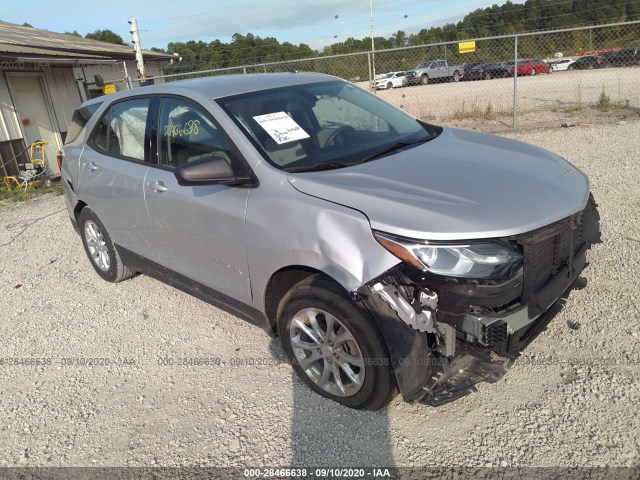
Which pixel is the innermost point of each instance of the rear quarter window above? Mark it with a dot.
(80, 118)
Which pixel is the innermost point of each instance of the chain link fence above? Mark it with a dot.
(562, 75)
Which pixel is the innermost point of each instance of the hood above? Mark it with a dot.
(459, 186)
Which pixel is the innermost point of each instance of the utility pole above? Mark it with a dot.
(135, 38)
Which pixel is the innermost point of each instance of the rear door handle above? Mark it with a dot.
(92, 166)
(157, 186)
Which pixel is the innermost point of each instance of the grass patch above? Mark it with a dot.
(20, 195)
(604, 102)
(476, 111)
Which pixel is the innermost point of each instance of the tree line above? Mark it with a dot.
(508, 18)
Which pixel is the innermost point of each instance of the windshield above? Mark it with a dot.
(322, 125)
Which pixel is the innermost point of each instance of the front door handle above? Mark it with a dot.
(92, 166)
(157, 186)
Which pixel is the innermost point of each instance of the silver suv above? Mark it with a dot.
(388, 254)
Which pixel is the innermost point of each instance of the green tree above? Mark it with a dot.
(106, 35)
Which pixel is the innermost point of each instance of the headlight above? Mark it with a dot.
(472, 260)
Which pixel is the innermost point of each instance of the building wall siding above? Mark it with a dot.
(9, 127)
(65, 96)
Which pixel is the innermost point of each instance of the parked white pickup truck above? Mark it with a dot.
(434, 70)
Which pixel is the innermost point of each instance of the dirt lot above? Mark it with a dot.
(542, 94)
(571, 400)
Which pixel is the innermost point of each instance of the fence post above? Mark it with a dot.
(515, 80)
(371, 89)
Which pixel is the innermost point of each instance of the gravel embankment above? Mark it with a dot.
(571, 400)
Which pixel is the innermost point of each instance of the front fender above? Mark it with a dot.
(291, 228)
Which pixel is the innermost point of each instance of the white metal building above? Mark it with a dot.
(44, 76)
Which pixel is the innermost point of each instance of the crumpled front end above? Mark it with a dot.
(447, 334)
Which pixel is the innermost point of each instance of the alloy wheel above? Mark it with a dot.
(327, 352)
(97, 245)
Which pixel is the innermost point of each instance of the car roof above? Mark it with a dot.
(223, 85)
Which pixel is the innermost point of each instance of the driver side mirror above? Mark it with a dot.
(209, 171)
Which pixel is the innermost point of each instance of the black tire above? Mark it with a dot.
(424, 80)
(111, 270)
(320, 296)
(389, 85)
(456, 76)
(571, 67)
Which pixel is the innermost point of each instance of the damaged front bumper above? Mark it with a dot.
(446, 335)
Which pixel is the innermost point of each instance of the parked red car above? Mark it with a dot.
(530, 66)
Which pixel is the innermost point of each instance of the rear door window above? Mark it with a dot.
(121, 130)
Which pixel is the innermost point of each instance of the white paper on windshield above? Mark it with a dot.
(281, 127)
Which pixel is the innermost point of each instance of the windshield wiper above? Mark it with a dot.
(393, 147)
(314, 167)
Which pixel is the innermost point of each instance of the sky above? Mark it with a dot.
(314, 22)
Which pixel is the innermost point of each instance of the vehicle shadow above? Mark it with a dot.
(327, 435)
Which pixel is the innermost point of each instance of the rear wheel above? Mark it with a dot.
(335, 345)
(533, 71)
(100, 249)
(571, 67)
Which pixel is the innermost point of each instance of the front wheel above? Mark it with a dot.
(335, 346)
(533, 72)
(424, 80)
(456, 77)
(100, 249)
(389, 85)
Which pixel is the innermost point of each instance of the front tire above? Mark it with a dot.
(335, 346)
(456, 77)
(100, 249)
(424, 80)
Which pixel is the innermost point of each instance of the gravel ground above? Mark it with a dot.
(571, 400)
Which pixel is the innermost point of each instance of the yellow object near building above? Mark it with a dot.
(109, 88)
(467, 47)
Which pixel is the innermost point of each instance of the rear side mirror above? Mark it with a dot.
(209, 171)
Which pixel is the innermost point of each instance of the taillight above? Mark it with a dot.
(59, 159)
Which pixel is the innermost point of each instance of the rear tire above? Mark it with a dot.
(335, 346)
(533, 72)
(100, 249)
